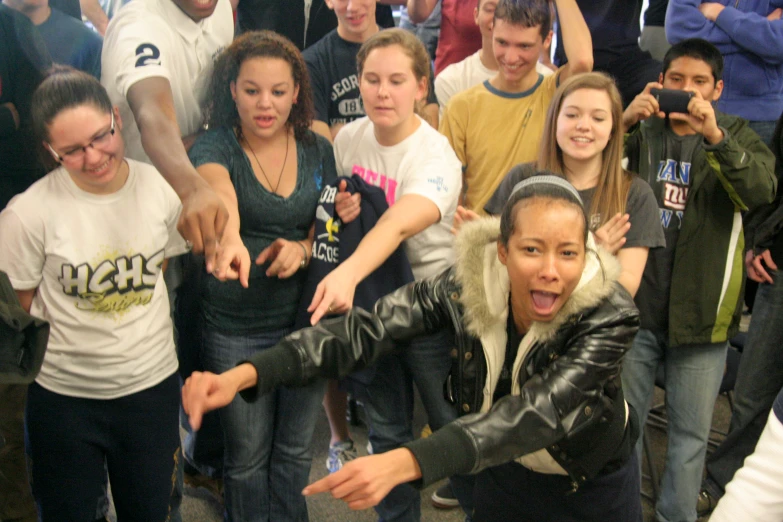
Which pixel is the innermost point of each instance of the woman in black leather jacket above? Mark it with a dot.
(540, 330)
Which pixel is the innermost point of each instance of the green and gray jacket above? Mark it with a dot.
(729, 178)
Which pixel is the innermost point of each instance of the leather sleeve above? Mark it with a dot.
(557, 403)
(336, 347)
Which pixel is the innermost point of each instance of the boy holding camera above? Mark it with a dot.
(705, 168)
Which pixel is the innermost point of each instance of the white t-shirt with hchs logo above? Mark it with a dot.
(96, 262)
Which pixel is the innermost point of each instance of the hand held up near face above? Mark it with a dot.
(700, 118)
(642, 107)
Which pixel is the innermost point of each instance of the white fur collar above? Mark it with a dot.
(485, 284)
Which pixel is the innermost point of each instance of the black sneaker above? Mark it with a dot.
(705, 504)
(443, 497)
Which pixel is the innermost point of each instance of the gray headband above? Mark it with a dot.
(549, 180)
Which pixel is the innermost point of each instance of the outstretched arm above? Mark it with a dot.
(333, 348)
(410, 215)
(204, 216)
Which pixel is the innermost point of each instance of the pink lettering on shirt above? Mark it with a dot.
(388, 185)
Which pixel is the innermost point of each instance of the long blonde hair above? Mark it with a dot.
(614, 181)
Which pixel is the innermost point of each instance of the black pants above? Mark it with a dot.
(513, 492)
(73, 440)
(16, 500)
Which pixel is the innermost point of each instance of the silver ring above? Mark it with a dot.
(188, 245)
(330, 309)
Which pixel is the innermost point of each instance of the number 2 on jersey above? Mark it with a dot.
(147, 54)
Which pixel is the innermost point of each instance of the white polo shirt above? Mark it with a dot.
(154, 38)
(463, 75)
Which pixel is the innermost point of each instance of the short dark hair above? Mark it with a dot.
(527, 13)
(63, 88)
(545, 190)
(221, 109)
(698, 49)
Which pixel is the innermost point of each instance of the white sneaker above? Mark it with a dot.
(339, 454)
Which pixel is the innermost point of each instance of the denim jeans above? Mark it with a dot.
(267, 442)
(759, 378)
(765, 130)
(427, 32)
(389, 408)
(693, 376)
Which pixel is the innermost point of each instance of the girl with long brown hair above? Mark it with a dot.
(583, 142)
(269, 168)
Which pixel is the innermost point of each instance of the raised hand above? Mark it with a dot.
(611, 235)
(642, 107)
(347, 205)
(462, 216)
(700, 118)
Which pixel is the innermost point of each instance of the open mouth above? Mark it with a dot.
(543, 302)
(265, 121)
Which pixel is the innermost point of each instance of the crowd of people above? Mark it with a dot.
(234, 213)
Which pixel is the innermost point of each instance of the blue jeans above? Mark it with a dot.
(427, 32)
(389, 409)
(693, 376)
(267, 442)
(765, 130)
(759, 378)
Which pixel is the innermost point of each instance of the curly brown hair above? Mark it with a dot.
(221, 110)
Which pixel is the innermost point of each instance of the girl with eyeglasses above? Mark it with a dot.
(85, 248)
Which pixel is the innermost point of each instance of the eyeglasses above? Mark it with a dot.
(77, 154)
